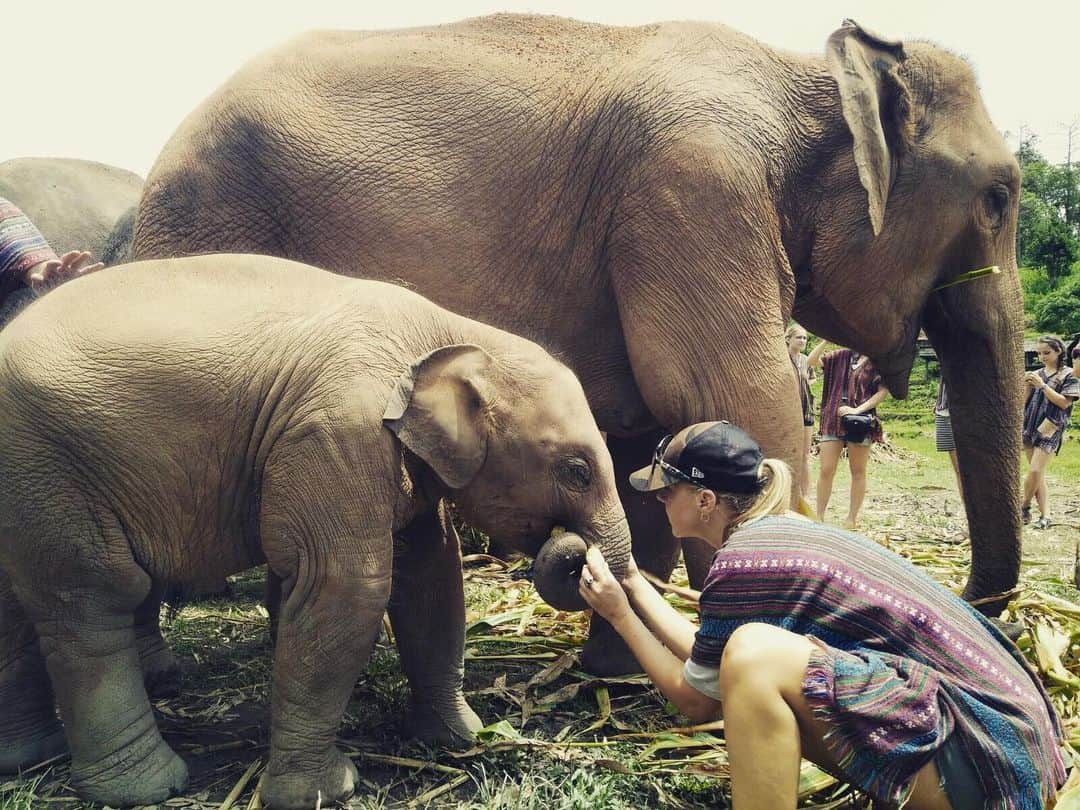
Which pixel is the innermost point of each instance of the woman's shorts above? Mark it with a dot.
(943, 435)
(864, 443)
(958, 777)
(808, 420)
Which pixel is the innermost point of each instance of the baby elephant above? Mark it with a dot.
(175, 421)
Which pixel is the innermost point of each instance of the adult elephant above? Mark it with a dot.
(76, 204)
(651, 203)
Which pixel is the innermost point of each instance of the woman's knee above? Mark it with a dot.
(763, 656)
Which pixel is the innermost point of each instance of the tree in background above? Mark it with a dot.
(1048, 240)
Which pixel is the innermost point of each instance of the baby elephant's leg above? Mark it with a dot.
(161, 672)
(30, 731)
(82, 604)
(427, 611)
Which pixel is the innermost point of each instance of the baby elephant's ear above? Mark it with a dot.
(440, 410)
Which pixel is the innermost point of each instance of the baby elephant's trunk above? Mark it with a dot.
(557, 568)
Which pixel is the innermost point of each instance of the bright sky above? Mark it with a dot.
(109, 80)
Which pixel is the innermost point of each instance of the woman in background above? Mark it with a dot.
(796, 345)
(1052, 390)
(851, 386)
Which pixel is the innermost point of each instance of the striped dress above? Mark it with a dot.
(900, 662)
(21, 246)
(841, 377)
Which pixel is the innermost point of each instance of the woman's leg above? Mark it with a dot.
(1039, 461)
(808, 442)
(1031, 483)
(829, 455)
(955, 461)
(769, 724)
(858, 456)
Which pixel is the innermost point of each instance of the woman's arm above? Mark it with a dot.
(663, 666)
(879, 396)
(1054, 397)
(664, 669)
(667, 624)
(814, 358)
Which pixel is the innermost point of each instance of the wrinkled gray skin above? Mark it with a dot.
(650, 203)
(74, 203)
(117, 247)
(177, 421)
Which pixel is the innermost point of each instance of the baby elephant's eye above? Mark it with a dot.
(574, 473)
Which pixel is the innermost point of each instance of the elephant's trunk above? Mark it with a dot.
(557, 568)
(978, 333)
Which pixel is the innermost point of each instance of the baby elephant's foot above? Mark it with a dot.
(454, 725)
(288, 787)
(138, 774)
(29, 748)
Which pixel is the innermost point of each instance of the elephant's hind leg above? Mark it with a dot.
(83, 609)
(161, 672)
(30, 731)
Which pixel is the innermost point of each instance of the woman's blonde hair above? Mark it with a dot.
(774, 498)
(792, 331)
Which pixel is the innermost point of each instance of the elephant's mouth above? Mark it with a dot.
(895, 367)
(557, 570)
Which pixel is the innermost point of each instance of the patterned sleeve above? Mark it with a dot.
(718, 604)
(21, 244)
(1070, 386)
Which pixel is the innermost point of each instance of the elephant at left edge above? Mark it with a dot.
(178, 420)
(77, 205)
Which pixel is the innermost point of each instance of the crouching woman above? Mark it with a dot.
(816, 642)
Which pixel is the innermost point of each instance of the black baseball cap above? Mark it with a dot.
(713, 455)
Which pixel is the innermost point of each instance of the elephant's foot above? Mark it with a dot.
(145, 772)
(161, 670)
(454, 725)
(288, 786)
(605, 653)
(27, 748)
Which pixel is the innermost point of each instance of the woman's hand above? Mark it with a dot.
(1033, 380)
(601, 590)
(844, 410)
(633, 576)
(71, 264)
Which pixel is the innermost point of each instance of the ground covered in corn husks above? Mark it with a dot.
(559, 737)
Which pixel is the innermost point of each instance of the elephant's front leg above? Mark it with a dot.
(334, 560)
(330, 614)
(655, 550)
(427, 611)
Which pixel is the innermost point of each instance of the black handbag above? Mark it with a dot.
(857, 426)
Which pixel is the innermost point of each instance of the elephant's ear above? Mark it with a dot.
(876, 105)
(440, 408)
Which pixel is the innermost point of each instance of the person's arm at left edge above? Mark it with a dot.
(607, 597)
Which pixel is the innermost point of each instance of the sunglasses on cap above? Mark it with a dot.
(670, 474)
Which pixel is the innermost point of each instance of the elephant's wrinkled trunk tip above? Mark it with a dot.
(557, 569)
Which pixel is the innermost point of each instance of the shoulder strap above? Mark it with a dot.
(850, 371)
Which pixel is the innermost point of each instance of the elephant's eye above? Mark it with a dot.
(995, 204)
(574, 473)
